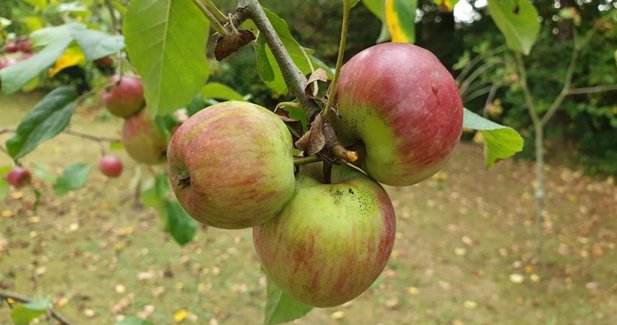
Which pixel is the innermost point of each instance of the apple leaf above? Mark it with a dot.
(500, 141)
(23, 314)
(400, 16)
(181, 226)
(96, 44)
(264, 68)
(281, 307)
(166, 41)
(518, 22)
(220, 91)
(295, 50)
(353, 3)
(446, 5)
(57, 39)
(48, 118)
(154, 193)
(376, 7)
(133, 321)
(73, 178)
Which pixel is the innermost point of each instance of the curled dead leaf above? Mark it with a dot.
(232, 42)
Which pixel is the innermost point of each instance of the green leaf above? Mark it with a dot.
(96, 44)
(56, 40)
(353, 3)
(196, 105)
(220, 91)
(73, 178)
(376, 7)
(166, 41)
(42, 171)
(281, 307)
(181, 226)
(401, 20)
(166, 123)
(23, 314)
(154, 194)
(48, 118)
(4, 187)
(264, 68)
(296, 52)
(133, 321)
(500, 141)
(518, 22)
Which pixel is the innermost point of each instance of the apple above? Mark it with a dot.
(331, 241)
(25, 45)
(11, 47)
(110, 166)
(404, 107)
(18, 177)
(143, 140)
(231, 165)
(125, 96)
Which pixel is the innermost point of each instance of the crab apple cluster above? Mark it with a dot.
(323, 235)
(142, 139)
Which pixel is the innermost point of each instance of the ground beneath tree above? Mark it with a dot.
(465, 249)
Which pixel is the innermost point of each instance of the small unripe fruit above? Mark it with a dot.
(110, 166)
(18, 177)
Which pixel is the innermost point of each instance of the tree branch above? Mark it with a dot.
(589, 90)
(564, 91)
(535, 119)
(341, 54)
(294, 78)
(23, 299)
(73, 133)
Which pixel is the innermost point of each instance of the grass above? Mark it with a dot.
(462, 237)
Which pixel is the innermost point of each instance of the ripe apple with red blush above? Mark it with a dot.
(143, 140)
(125, 96)
(25, 45)
(110, 166)
(403, 108)
(18, 177)
(331, 241)
(11, 47)
(231, 165)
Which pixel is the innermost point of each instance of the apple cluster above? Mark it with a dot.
(324, 240)
(23, 46)
(142, 139)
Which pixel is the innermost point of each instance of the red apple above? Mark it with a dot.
(25, 45)
(404, 107)
(18, 177)
(125, 96)
(143, 140)
(331, 241)
(11, 47)
(110, 166)
(231, 165)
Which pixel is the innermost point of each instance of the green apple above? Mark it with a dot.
(331, 241)
(231, 165)
(143, 140)
(404, 107)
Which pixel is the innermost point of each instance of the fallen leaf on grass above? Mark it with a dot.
(516, 278)
(338, 315)
(180, 315)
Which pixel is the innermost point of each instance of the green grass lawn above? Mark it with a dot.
(465, 250)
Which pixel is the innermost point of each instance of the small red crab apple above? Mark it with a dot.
(18, 177)
(110, 166)
(404, 107)
(125, 96)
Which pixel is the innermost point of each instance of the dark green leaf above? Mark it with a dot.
(166, 41)
(73, 178)
(23, 314)
(500, 141)
(196, 105)
(220, 91)
(181, 226)
(56, 40)
(96, 44)
(264, 69)
(48, 118)
(296, 52)
(154, 193)
(133, 321)
(518, 22)
(281, 307)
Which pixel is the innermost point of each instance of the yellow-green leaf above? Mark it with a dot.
(400, 18)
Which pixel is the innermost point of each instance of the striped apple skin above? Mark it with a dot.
(403, 105)
(331, 241)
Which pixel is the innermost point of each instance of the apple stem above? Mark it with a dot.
(341, 54)
(306, 160)
(327, 172)
(211, 17)
(335, 146)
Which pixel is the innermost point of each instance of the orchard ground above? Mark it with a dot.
(464, 254)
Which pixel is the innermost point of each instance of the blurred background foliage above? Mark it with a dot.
(584, 130)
